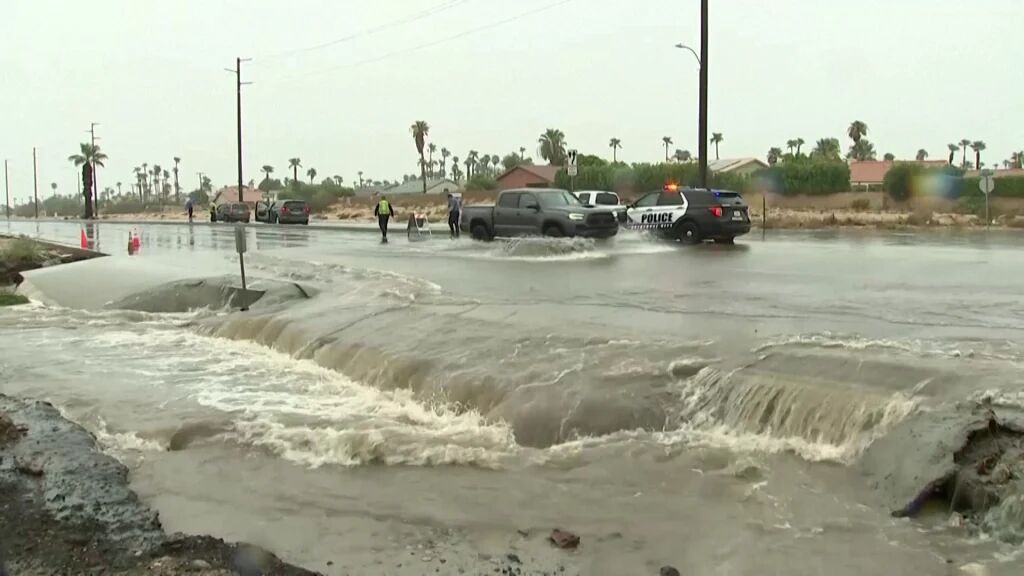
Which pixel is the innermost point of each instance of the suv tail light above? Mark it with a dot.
(284, 209)
(716, 211)
(306, 209)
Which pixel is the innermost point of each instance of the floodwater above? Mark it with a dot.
(703, 407)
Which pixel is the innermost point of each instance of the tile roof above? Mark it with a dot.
(546, 172)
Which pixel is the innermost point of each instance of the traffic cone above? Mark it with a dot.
(82, 239)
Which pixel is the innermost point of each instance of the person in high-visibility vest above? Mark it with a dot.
(383, 212)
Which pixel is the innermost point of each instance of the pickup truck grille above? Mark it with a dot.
(601, 219)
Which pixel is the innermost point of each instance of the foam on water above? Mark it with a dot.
(827, 340)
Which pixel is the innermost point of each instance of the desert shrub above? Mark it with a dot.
(22, 251)
(860, 204)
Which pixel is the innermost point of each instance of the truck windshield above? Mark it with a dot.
(557, 198)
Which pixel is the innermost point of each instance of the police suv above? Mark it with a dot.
(690, 215)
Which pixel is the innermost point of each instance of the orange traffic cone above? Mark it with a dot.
(83, 240)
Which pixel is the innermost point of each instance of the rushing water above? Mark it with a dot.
(700, 407)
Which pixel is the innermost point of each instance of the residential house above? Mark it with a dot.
(528, 176)
(250, 195)
(738, 166)
(434, 186)
(868, 174)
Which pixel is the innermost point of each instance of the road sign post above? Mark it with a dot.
(573, 170)
(987, 185)
(240, 247)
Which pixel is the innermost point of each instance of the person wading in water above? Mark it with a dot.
(383, 212)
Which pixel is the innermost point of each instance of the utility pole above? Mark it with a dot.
(7, 191)
(703, 121)
(238, 82)
(95, 186)
(35, 181)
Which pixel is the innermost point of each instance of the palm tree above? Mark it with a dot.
(683, 156)
(615, 144)
(155, 172)
(799, 142)
(964, 144)
(431, 148)
(552, 147)
(267, 170)
(53, 187)
(774, 154)
(295, 164)
(145, 174)
(791, 144)
(360, 178)
(445, 153)
(139, 178)
(666, 141)
(922, 155)
(455, 168)
(165, 191)
(496, 161)
(177, 187)
(716, 139)
(118, 189)
(420, 130)
(857, 130)
(88, 158)
(1017, 159)
(522, 152)
(889, 157)
(953, 149)
(312, 174)
(978, 146)
(826, 149)
(471, 163)
(862, 150)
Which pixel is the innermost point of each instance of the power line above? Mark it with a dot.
(431, 44)
(447, 5)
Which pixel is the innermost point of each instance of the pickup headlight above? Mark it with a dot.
(576, 217)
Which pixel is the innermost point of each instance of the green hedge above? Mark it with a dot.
(1006, 187)
(640, 178)
(806, 177)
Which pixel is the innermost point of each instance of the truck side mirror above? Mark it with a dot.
(534, 207)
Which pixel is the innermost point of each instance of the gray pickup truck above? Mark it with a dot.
(538, 211)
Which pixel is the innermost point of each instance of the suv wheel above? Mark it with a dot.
(688, 232)
(554, 231)
(480, 232)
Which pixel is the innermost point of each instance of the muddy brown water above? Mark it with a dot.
(702, 407)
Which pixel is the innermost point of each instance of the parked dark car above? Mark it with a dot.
(232, 212)
(530, 211)
(283, 212)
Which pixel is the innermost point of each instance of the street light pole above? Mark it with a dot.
(35, 181)
(95, 186)
(703, 120)
(7, 191)
(238, 81)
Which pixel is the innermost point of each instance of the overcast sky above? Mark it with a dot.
(920, 73)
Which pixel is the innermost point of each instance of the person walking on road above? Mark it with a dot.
(454, 212)
(189, 208)
(383, 212)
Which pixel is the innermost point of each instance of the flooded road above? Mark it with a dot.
(704, 407)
